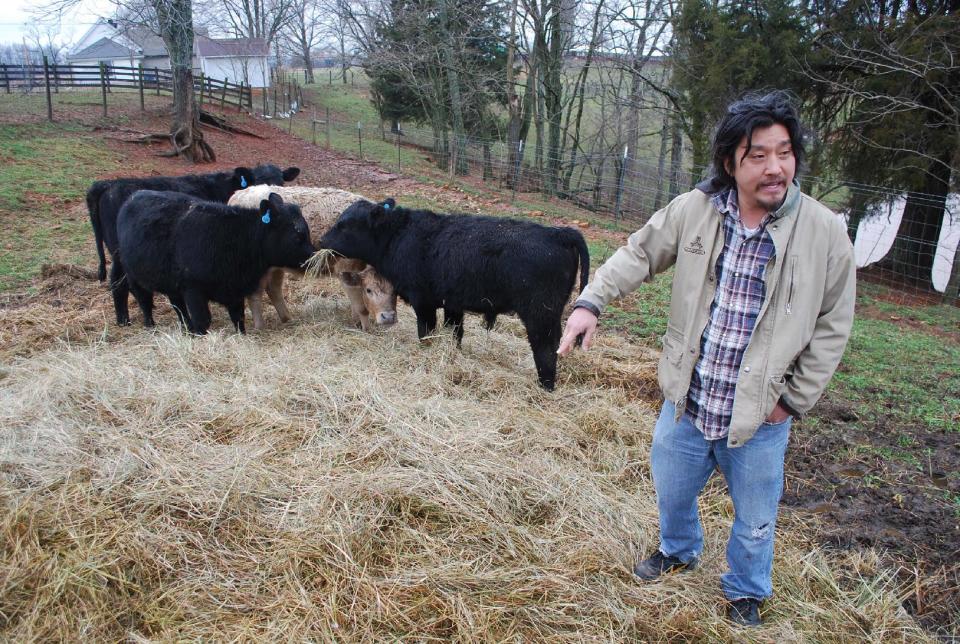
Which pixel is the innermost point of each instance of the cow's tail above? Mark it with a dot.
(93, 207)
(584, 253)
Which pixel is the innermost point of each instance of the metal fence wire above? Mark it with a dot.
(900, 239)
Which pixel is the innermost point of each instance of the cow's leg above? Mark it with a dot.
(235, 309)
(120, 290)
(145, 299)
(426, 320)
(198, 308)
(490, 318)
(353, 287)
(544, 337)
(275, 292)
(255, 300)
(454, 319)
(180, 307)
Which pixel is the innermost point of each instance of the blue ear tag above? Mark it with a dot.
(266, 217)
(243, 181)
(386, 206)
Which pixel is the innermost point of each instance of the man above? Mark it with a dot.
(761, 310)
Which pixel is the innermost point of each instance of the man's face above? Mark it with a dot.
(765, 173)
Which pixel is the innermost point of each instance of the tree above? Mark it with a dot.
(304, 31)
(896, 67)
(725, 49)
(175, 19)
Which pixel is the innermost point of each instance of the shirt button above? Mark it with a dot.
(747, 369)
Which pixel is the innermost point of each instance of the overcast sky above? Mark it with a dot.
(16, 19)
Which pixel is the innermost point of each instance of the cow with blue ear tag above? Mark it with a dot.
(196, 251)
(106, 198)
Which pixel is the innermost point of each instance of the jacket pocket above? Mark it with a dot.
(671, 362)
(776, 385)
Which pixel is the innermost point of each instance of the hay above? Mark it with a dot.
(314, 483)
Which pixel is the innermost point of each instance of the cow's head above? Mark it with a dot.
(379, 296)
(286, 237)
(274, 176)
(362, 230)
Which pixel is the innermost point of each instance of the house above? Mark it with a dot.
(234, 59)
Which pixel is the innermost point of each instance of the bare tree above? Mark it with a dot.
(305, 31)
(248, 18)
(175, 18)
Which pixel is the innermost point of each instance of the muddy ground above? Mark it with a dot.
(851, 499)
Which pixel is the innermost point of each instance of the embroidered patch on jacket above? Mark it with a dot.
(695, 247)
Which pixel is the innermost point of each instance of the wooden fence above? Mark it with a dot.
(53, 78)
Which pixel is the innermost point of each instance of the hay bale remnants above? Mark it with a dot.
(314, 483)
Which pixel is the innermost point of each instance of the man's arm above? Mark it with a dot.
(648, 251)
(816, 363)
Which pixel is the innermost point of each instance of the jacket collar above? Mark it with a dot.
(712, 186)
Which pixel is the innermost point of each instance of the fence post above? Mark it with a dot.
(240, 99)
(140, 83)
(274, 100)
(289, 122)
(103, 87)
(223, 92)
(201, 91)
(46, 82)
(56, 78)
(398, 147)
(250, 98)
(313, 126)
(360, 138)
(619, 198)
(156, 76)
(6, 78)
(330, 76)
(516, 171)
(328, 128)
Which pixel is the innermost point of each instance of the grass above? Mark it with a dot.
(45, 167)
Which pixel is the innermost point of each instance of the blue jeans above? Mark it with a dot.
(682, 461)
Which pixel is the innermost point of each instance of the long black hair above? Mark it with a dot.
(752, 111)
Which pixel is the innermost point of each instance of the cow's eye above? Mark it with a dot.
(369, 291)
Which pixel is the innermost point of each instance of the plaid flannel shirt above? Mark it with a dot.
(740, 293)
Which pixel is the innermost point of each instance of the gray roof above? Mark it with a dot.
(149, 42)
(209, 47)
(103, 48)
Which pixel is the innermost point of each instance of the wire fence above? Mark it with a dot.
(907, 241)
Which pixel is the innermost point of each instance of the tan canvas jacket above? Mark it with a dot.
(803, 325)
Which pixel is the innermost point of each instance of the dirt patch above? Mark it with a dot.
(867, 489)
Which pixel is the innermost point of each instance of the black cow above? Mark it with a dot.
(486, 265)
(105, 198)
(195, 251)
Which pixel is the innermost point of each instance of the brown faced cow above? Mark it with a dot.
(369, 293)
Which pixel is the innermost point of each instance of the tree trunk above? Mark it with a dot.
(676, 156)
(553, 97)
(915, 246)
(662, 160)
(176, 27)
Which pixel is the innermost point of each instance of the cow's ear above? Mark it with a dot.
(382, 211)
(276, 201)
(243, 177)
(291, 173)
(265, 212)
(350, 278)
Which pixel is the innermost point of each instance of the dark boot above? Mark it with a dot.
(658, 564)
(745, 611)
